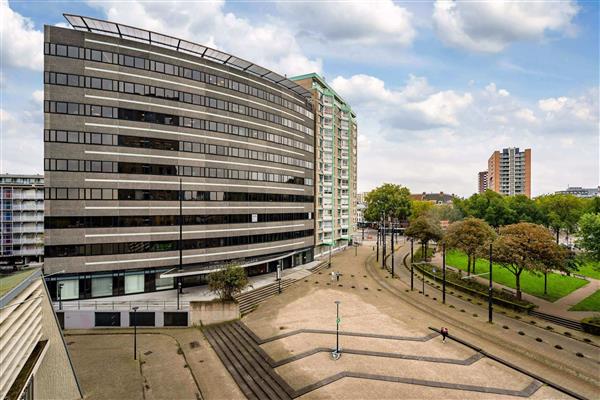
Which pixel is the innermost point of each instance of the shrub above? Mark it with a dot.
(579, 354)
(521, 333)
(537, 339)
(558, 346)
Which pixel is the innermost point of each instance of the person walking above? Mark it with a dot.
(444, 332)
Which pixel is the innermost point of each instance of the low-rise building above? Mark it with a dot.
(581, 191)
(35, 360)
(436, 198)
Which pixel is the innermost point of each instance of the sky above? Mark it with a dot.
(436, 86)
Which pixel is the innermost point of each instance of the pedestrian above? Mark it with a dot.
(337, 276)
(444, 332)
(332, 276)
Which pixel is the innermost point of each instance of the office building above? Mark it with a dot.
(141, 127)
(335, 167)
(482, 176)
(509, 172)
(581, 192)
(22, 223)
(35, 360)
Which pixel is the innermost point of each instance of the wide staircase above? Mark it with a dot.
(248, 301)
(247, 363)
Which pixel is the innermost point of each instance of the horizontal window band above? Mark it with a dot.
(188, 183)
(157, 246)
(144, 103)
(145, 221)
(262, 228)
(205, 89)
(115, 153)
(262, 207)
(193, 63)
(188, 256)
(191, 135)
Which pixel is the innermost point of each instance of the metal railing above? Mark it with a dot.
(119, 305)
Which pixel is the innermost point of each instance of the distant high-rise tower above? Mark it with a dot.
(482, 181)
(509, 172)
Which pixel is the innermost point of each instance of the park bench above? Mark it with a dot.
(508, 291)
(580, 276)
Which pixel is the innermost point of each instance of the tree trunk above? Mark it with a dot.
(474, 262)
(557, 233)
(518, 285)
(468, 265)
(426, 248)
(545, 282)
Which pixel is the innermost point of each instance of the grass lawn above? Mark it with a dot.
(590, 303)
(558, 285)
(7, 282)
(591, 269)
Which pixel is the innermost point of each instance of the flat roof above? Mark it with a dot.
(321, 80)
(82, 23)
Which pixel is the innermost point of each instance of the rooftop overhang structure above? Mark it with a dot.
(191, 271)
(103, 27)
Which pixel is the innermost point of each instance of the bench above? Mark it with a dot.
(580, 276)
(508, 291)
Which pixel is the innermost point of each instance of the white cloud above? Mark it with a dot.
(351, 22)
(583, 108)
(22, 46)
(21, 147)
(526, 115)
(270, 43)
(490, 26)
(38, 96)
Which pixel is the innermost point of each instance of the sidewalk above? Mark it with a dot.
(559, 308)
(168, 298)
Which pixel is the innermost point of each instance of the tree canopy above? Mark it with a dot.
(227, 282)
(424, 230)
(490, 206)
(472, 236)
(527, 246)
(389, 200)
(589, 235)
(561, 212)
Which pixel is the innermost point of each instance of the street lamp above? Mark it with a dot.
(279, 276)
(330, 251)
(178, 291)
(377, 256)
(336, 353)
(60, 286)
(490, 301)
(412, 277)
(135, 332)
(443, 273)
(392, 250)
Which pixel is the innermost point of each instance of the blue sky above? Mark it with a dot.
(437, 86)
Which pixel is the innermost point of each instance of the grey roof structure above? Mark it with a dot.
(94, 25)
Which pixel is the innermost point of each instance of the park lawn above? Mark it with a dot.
(590, 303)
(558, 285)
(591, 269)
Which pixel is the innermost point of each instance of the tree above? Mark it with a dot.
(589, 235)
(389, 200)
(524, 209)
(424, 230)
(489, 206)
(444, 212)
(227, 282)
(561, 212)
(527, 246)
(471, 235)
(419, 208)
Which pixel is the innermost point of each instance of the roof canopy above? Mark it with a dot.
(89, 24)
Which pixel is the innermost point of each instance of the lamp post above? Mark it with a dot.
(384, 238)
(392, 242)
(330, 251)
(135, 332)
(490, 301)
(377, 256)
(60, 286)
(178, 291)
(337, 327)
(279, 276)
(443, 273)
(412, 276)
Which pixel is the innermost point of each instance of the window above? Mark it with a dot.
(134, 283)
(102, 285)
(68, 289)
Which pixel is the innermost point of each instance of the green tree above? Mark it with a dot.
(489, 206)
(424, 230)
(527, 246)
(227, 282)
(389, 200)
(524, 209)
(445, 212)
(471, 236)
(589, 235)
(561, 212)
(419, 208)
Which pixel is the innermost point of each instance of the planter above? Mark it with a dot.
(213, 312)
(591, 325)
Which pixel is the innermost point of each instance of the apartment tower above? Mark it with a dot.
(22, 223)
(509, 172)
(482, 178)
(335, 169)
(166, 160)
